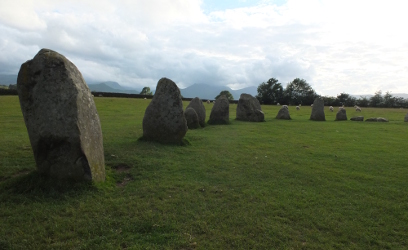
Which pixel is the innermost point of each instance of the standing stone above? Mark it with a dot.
(283, 113)
(220, 111)
(61, 118)
(341, 115)
(249, 109)
(357, 118)
(164, 120)
(406, 118)
(192, 118)
(318, 110)
(199, 108)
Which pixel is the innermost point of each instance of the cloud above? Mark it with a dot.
(337, 46)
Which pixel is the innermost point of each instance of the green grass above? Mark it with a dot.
(296, 184)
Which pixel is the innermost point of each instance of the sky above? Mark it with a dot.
(337, 46)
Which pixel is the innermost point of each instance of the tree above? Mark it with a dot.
(329, 101)
(377, 100)
(389, 100)
(146, 91)
(270, 92)
(226, 93)
(346, 100)
(363, 101)
(401, 102)
(300, 92)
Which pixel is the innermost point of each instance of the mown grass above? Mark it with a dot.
(278, 184)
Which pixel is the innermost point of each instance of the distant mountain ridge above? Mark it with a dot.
(111, 87)
(206, 91)
(203, 91)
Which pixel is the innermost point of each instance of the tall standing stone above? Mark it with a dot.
(249, 109)
(61, 118)
(198, 106)
(341, 115)
(318, 110)
(406, 118)
(220, 111)
(164, 120)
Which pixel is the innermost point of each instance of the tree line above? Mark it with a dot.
(299, 92)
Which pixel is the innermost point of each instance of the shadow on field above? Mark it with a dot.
(35, 186)
(183, 142)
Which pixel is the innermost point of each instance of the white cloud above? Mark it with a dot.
(21, 15)
(337, 46)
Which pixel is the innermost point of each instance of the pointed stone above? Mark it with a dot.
(220, 111)
(318, 110)
(164, 120)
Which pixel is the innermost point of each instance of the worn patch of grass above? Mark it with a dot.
(278, 184)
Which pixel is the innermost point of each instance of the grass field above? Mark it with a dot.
(278, 184)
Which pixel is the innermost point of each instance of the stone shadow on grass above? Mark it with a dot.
(183, 142)
(36, 187)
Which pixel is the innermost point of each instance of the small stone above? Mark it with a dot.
(191, 118)
(376, 119)
(341, 115)
(357, 118)
(197, 104)
(283, 113)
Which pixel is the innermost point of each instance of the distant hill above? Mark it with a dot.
(112, 87)
(203, 91)
(252, 90)
(116, 85)
(206, 91)
(400, 95)
(393, 94)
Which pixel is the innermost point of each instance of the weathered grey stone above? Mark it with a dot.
(61, 118)
(220, 111)
(382, 119)
(164, 120)
(318, 110)
(357, 118)
(249, 109)
(192, 118)
(406, 118)
(341, 115)
(376, 119)
(198, 106)
(283, 113)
